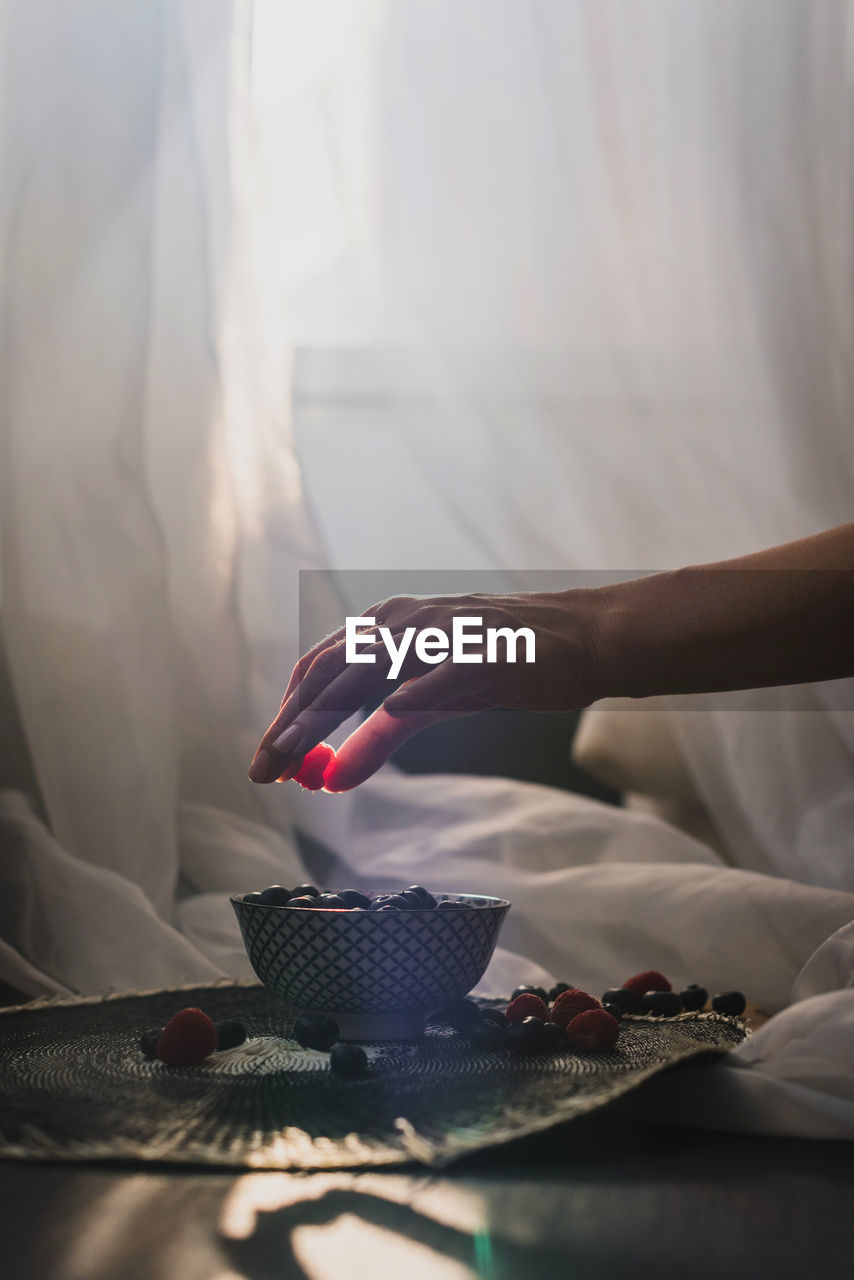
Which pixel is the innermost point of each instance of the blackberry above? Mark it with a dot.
(627, 1000)
(313, 1031)
(526, 1036)
(427, 899)
(148, 1042)
(352, 898)
(229, 1034)
(531, 991)
(553, 1037)
(485, 1033)
(493, 1015)
(693, 997)
(461, 1013)
(661, 1004)
(348, 1060)
(275, 896)
(730, 1002)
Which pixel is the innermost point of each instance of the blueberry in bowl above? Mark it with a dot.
(378, 972)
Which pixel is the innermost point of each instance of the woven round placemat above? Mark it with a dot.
(76, 1087)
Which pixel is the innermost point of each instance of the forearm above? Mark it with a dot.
(781, 616)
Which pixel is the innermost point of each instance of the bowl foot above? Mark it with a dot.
(376, 1026)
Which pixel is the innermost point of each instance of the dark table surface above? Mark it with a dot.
(603, 1196)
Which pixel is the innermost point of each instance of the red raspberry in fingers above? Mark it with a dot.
(593, 1029)
(526, 1006)
(311, 771)
(187, 1038)
(649, 980)
(569, 1003)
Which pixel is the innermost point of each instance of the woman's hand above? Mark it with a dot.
(325, 689)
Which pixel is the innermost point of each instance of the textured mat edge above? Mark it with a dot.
(320, 1153)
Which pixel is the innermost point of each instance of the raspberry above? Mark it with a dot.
(527, 1006)
(593, 1029)
(187, 1038)
(650, 980)
(569, 1003)
(311, 771)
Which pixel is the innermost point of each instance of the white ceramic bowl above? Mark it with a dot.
(379, 974)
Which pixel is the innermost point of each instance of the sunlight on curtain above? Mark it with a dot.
(595, 252)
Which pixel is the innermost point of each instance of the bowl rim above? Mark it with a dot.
(487, 901)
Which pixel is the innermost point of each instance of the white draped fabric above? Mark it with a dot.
(604, 252)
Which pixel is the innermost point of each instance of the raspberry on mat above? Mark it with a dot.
(570, 1003)
(188, 1037)
(527, 1006)
(649, 980)
(593, 1029)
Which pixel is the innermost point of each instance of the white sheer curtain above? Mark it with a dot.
(608, 244)
(152, 517)
(600, 253)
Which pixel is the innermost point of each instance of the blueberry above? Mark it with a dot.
(348, 1060)
(461, 1013)
(558, 988)
(485, 1034)
(427, 899)
(629, 1001)
(731, 1002)
(330, 901)
(614, 1009)
(661, 1004)
(553, 1037)
(306, 891)
(275, 896)
(493, 1015)
(694, 997)
(379, 900)
(448, 905)
(313, 1031)
(531, 991)
(352, 898)
(251, 897)
(412, 900)
(526, 1036)
(398, 900)
(303, 901)
(229, 1034)
(148, 1042)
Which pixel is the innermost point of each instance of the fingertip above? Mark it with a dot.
(263, 767)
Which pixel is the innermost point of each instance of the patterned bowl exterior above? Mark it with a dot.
(371, 962)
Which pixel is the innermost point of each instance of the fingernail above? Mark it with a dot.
(286, 741)
(262, 768)
(398, 705)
